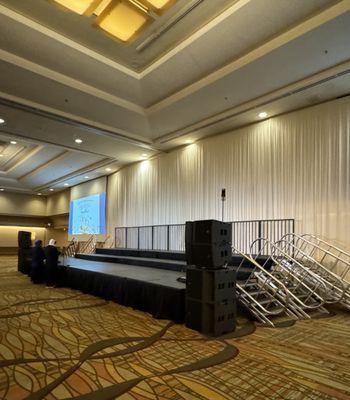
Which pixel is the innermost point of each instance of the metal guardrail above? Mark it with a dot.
(172, 237)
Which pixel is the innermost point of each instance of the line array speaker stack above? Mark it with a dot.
(210, 285)
(24, 251)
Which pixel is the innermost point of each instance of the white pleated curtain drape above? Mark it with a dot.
(293, 166)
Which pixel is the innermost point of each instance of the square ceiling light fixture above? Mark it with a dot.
(82, 7)
(123, 19)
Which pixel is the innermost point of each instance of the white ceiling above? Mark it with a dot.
(211, 72)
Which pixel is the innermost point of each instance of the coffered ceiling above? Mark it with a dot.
(201, 68)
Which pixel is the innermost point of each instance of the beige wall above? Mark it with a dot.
(22, 204)
(58, 203)
(60, 221)
(9, 234)
(17, 208)
(60, 235)
(30, 205)
(14, 206)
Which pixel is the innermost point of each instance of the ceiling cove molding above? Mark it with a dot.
(73, 120)
(47, 142)
(66, 41)
(286, 91)
(297, 31)
(311, 23)
(43, 166)
(343, 4)
(200, 32)
(107, 61)
(76, 174)
(16, 189)
(12, 160)
(70, 82)
(166, 26)
(30, 153)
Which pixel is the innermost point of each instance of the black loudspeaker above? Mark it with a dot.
(24, 240)
(24, 260)
(211, 318)
(210, 285)
(208, 243)
(211, 300)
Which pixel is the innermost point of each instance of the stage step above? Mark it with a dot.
(164, 255)
(171, 265)
(235, 261)
(173, 261)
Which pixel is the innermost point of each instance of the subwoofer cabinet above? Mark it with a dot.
(208, 243)
(211, 300)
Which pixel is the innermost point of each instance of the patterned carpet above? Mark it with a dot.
(62, 344)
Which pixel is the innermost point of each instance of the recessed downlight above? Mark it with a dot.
(78, 141)
(66, 184)
(2, 189)
(2, 121)
(51, 190)
(39, 194)
(263, 114)
(13, 142)
(1, 155)
(108, 169)
(86, 177)
(188, 141)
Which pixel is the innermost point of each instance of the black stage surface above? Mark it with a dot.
(142, 279)
(150, 261)
(153, 290)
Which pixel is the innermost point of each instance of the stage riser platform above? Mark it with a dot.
(139, 257)
(160, 300)
(166, 255)
(170, 265)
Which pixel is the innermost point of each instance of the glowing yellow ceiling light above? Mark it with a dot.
(159, 4)
(81, 7)
(122, 20)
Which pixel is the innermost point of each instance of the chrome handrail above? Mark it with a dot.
(293, 278)
(269, 286)
(336, 286)
(316, 246)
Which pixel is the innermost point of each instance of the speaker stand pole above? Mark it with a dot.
(223, 198)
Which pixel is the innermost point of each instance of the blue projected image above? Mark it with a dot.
(87, 215)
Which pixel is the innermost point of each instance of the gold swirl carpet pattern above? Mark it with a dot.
(62, 344)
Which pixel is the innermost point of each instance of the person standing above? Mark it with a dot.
(51, 263)
(37, 270)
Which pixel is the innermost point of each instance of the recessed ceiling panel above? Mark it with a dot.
(123, 20)
(79, 28)
(40, 158)
(59, 168)
(11, 154)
